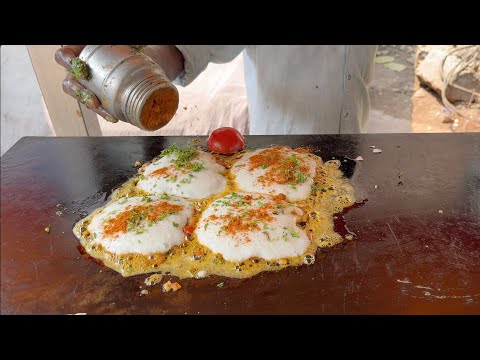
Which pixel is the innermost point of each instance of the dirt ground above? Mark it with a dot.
(399, 103)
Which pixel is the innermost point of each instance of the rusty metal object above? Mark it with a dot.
(130, 86)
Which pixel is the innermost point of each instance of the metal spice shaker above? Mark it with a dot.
(130, 86)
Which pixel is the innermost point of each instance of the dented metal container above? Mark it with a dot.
(130, 85)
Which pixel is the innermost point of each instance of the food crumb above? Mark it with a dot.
(376, 186)
(144, 292)
(400, 179)
(184, 108)
(138, 163)
(153, 279)
(47, 229)
(201, 274)
(176, 286)
(440, 211)
(359, 158)
(171, 286)
(219, 285)
(58, 213)
(372, 146)
(349, 237)
(377, 151)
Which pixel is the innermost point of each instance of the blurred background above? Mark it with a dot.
(405, 95)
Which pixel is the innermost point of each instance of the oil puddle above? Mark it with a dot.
(340, 224)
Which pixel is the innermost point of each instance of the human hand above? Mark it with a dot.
(67, 57)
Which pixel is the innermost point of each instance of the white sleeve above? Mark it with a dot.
(197, 57)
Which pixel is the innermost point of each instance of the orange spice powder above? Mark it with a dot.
(249, 219)
(281, 169)
(160, 107)
(152, 212)
(163, 172)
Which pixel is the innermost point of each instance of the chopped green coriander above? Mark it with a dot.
(79, 69)
(146, 198)
(293, 233)
(197, 166)
(171, 150)
(182, 156)
(133, 224)
(300, 177)
(187, 180)
(164, 216)
(317, 188)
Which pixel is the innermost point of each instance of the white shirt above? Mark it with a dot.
(296, 89)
